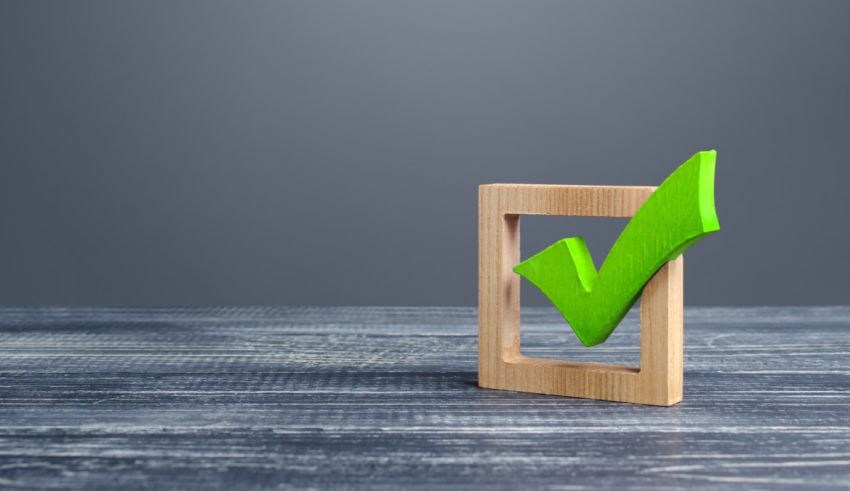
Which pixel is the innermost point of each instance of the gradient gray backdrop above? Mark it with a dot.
(299, 152)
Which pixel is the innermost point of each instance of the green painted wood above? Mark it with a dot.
(677, 215)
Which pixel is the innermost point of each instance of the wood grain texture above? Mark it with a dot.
(386, 398)
(568, 200)
(501, 363)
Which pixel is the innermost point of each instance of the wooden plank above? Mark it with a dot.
(386, 398)
(568, 200)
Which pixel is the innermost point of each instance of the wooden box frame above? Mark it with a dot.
(658, 380)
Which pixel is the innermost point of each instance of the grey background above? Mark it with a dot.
(329, 152)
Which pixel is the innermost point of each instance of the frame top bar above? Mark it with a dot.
(565, 200)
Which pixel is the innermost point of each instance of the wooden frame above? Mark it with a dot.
(658, 380)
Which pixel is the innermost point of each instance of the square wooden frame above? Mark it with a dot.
(658, 380)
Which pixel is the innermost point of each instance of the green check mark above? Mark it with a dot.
(678, 214)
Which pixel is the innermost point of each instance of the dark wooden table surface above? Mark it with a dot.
(385, 398)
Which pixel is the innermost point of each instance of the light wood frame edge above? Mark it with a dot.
(658, 380)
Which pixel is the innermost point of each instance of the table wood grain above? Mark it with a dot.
(386, 398)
